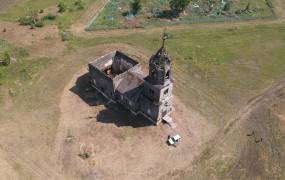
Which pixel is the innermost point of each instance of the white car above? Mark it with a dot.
(174, 139)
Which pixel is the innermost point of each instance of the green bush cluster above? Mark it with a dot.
(49, 17)
(79, 4)
(178, 6)
(31, 20)
(135, 7)
(269, 4)
(61, 7)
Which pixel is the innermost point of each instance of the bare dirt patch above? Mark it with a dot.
(39, 41)
(125, 148)
(6, 171)
(5, 4)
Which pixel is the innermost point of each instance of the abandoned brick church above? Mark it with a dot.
(120, 79)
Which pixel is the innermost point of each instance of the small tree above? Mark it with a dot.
(49, 17)
(61, 7)
(135, 7)
(227, 6)
(178, 6)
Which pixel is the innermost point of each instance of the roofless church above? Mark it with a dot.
(120, 79)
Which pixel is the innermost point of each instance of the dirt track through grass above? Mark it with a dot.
(89, 16)
(241, 154)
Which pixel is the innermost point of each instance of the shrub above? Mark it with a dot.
(5, 59)
(22, 52)
(31, 20)
(39, 23)
(25, 21)
(269, 4)
(50, 17)
(12, 92)
(61, 7)
(79, 4)
(227, 6)
(135, 7)
(178, 6)
(65, 35)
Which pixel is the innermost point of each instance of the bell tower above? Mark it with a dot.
(158, 86)
(160, 66)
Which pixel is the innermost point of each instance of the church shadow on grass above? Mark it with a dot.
(167, 14)
(114, 112)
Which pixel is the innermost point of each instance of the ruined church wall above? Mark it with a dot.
(101, 81)
(149, 109)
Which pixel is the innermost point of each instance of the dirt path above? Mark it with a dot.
(254, 103)
(89, 16)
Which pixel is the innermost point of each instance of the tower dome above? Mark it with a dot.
(160, 66)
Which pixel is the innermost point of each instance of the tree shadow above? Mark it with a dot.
(167, 14)
(114, 112)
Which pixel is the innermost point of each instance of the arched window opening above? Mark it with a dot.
(167, 76)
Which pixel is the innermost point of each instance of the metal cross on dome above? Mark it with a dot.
(164, 37)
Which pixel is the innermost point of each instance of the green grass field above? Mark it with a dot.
(154, 13)
(216, 69)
